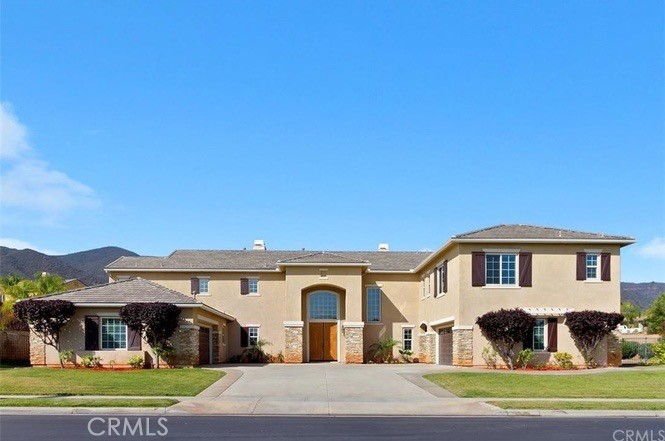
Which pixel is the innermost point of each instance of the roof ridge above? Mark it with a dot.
(85, 288)
(466, 233)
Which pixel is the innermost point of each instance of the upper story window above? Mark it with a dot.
(203, 285)
(253, 285)
(441, 275)
(592, 266)
(114, 334)
(323, 305)
(500, 269)
(373, 304)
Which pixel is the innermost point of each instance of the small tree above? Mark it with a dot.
(589, 328)
(155, 322)
(655, 316)
(505, 328)
(630, 312)
(45, 319)
(383, 349)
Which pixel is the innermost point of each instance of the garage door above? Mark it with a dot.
(446, 346)
(204, 345)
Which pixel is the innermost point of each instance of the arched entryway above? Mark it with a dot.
(323, 314)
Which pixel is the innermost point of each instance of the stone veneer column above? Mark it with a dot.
(37, 351)
(216, 358)
(186, 344)
(462, 345)
(427, 347)
(293, 332)
(353, 340)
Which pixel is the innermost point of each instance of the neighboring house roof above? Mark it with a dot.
(136, 290)
(269, 260)
(517, 232)
(377, 261)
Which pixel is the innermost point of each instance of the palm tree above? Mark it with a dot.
(383, 349)
(46, 283)
(14, 287)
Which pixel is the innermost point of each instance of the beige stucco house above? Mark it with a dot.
(334, 305)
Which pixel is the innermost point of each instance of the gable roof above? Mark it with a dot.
(533, 232)
(323, 257)
(136, 290)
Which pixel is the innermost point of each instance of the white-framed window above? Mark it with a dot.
(423, 293)
(253, 335)
(323, 305)
(374, 304)
(407, 339)
(501, 269)
(539, 334)
(113, 333)
(204, 285)
(592, 266)
(441, 275)
(253, 285)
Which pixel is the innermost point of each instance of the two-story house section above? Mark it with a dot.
(334, 305)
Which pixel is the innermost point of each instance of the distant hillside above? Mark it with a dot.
(87, 266)
(641, 294)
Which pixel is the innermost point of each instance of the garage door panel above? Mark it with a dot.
(446, 346)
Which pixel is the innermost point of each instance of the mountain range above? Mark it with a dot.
(88, 267)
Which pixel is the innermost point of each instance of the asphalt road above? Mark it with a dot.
(74, 428)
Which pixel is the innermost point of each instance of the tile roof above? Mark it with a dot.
(128, 291)
(324, 257)
(518, 231)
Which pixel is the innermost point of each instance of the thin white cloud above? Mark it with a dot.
(654, 249)
(30, 184)
(22, 245)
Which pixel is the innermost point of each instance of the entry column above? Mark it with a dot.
(353, 341)
(294, 341)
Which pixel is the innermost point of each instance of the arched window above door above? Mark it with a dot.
(323, 305)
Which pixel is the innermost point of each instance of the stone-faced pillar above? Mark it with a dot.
(37, 351)
(353, 342)
(186, 345)
(293, 352)
(462, 345)
(427, 347)
(216, 353)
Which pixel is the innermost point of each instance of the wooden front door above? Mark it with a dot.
(322, 341)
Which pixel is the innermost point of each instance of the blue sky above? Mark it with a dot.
(156, 126)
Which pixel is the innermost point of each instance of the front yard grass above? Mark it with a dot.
(87, 402)
(579, 405)
(152, 382)
(639, 384)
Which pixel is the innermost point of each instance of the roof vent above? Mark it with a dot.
(383, 247)
(259, 244)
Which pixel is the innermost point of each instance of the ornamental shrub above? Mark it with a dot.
(588, 328)
(629, 349)
(156, 322)
(506, 328)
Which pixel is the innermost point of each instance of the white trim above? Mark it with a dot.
(101, 332)
(251, 326)
(546, 311)
(391, 271)
(258, 288)
(501, 250)
(593, 251)
(408, 326)
(442, 321)
(321, 263)
(207, 293)
(463, 328)
(545, 336)
(294, 324)
(517, 269)
(353, 324)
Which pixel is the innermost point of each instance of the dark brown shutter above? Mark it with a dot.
(605, 267)
(91, 333)
(244, 338)
(435, 275)
(244, 286)
(525, 269)
(581, 266)
(444, 282)
(528, 341)
(477, 269)
(552, 339)
(195, 285)
(133, 340)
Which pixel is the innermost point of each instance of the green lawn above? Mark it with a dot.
(86, 402)
(579, 405)
(637, 384)
(157, 382)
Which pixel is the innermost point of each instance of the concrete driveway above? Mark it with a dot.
(331, 389)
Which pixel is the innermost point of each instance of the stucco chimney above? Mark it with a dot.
(259, 244)
(383, 247)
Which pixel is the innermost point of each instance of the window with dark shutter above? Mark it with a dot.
(435, 276)
(244, 338)
(477, 269)
(244, 286)
(195, 285)
(605, 269)
(91, 332)
(444, 282)
(133, 340)
(552, 337)
(581, 266)
(525, 269)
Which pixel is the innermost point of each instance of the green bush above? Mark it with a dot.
(68, 356)
(629, 349)
(91, 361)
(645, 351)
(135, 361)
(564, 360)
(658, 352)
(524, 357)
(490, 357)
